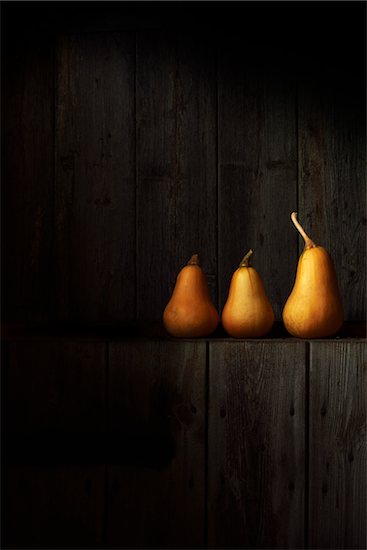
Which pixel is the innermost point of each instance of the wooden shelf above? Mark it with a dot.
(152, 331)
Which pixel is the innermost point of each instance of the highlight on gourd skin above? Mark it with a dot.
(314, 308)
(190, 312)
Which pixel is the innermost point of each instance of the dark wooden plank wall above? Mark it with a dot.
(338, 415)
(257, 165)
(157, 415)
(184, 444)
(27, 179)
(256, 445)
(95, 177)
(53, 492)
(332, 146)
(176, 164)
(85, 472)
(168, 144)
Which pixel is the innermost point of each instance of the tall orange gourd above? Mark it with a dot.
(314, 308)
(190, 312)
(247, 312)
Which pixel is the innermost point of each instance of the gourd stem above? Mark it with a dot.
(308, 242)
(194, 260)
(245, 259)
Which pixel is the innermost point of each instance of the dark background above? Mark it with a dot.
(133, 135)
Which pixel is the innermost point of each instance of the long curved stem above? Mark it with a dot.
(308, 242)
(245, 259)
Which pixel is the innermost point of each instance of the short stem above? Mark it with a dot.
(245, 259)
(308, 242)
(194, 260)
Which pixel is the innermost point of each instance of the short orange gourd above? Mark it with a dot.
(247, 312)
(190, 312)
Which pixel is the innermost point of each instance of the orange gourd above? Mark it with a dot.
(190, 312)
(314, 308)
(247, 312)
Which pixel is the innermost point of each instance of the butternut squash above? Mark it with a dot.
(314, 308)
(247, 312)
(190, 312)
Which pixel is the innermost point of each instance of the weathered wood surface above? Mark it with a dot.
(257, 166)
(27, 176)
(156, 487)
(95, 177)
(145, 484)
(55, 392)
(256, 445)
(332, 161)
(337, 499)
(217, 113)
(176, 164)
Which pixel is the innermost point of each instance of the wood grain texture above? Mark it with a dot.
(55, 392)
(27, 176)
(157, 418)
(95, 177)
(176, 166)
(257, 165)
(209, 104)
(337, 500)
(332, 146)
(256, 477)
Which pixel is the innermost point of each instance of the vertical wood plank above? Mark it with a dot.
(55, 391)
(176, 164)
(27, 177)
(157, 418)
(332, 147)
(257, 156)
(95, 177)
(256, 447)
(337, 500)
